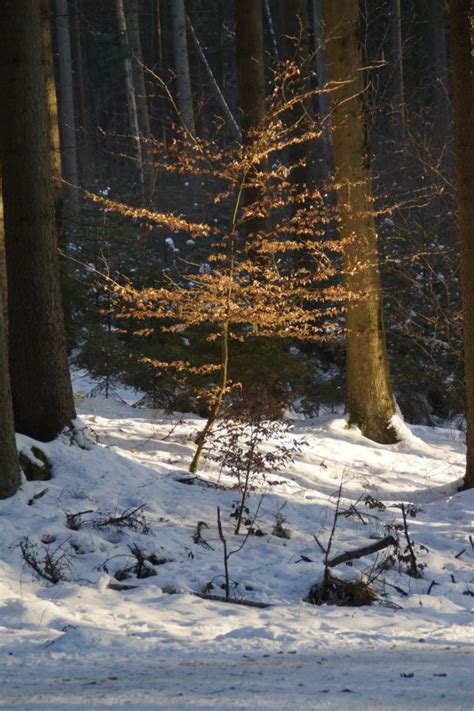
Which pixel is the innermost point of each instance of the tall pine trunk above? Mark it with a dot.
(130, 91)
(323, 96)
(251, 80)
(181, 63)
(462, 14)
(141, 98)
(214, 86)
(85, 150)
(67, 114)
(3, 260)
(9, 468)
(398, 83)
(370, 402)
(296, 48)
(41, 388)
(53, 119)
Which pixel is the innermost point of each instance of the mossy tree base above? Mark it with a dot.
(341, 592)
(35, 465)
(381, 432)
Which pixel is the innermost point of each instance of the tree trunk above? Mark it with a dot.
(67, 119)
(438, 58)
(53, 125)
(3, 262)
(370, 401)
(162, 63)
(323, 96)
(181, 62)
(301, 156)
(462, 15)
(41, 387)
(143, 115)
(267, 13)
(86, 158)
(130, 90)
(216, 90)
(251, 81)
(398, 83)
(9, 468)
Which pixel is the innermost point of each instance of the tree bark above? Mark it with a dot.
(438, 59)
(251, 81)
(370, 402)
(398, 83)
(86, 158)
(41, 387)
(3, 262)
(67, 118)
(181, 62)
(323, 96)
(53, 120)
(141, 98)
(462, 15)
(301, 156)
(267, 13)
(250, 64)
(216, 90)
(130, 90)
(9, 468)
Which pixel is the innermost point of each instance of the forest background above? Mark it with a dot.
(220, 178)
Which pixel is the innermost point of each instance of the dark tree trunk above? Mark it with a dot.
(370, 401)
(85, 151)
(53, 127)
(296, 48)
(3, 262)
(250, 64)
(130, 90)
(251, 80)
(181, 63)
(398, 84)
(143, 115)
(9, 468)
(462, 14)
(41, 387)
(323, 96)
(67, 112)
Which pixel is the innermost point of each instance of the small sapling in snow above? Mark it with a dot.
(51, 565)
(407, 557)
(241, 449)
(279, 529)
(198, 537)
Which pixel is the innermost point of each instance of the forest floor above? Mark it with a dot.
(156, 645)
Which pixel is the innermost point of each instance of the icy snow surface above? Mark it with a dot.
(80, 644)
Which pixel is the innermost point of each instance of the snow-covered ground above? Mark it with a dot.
(80, 643)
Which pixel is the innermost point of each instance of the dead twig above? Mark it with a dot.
(363, 551)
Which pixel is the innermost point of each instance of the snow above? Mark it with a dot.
(156, 645)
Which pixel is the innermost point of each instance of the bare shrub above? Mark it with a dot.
(132, 518)
(48, 565)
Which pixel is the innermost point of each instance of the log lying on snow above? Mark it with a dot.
(360, 552)
(232, 600)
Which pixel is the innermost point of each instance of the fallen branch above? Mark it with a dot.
(233, 600)
(360, 552)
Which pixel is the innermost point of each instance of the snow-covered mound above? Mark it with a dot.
(132, 540)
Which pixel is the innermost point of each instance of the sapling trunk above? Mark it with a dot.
(201, 439)
(246, 487)
(226, 554)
